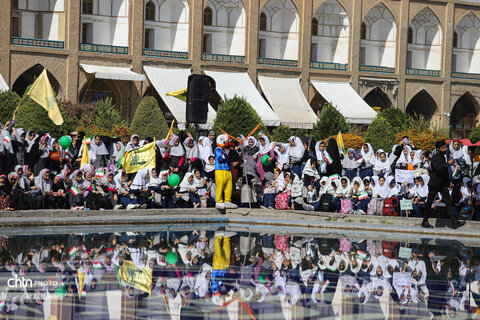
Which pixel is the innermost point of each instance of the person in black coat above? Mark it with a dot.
(439, 182)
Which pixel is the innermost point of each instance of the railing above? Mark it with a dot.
(165, 54)
(223, 58)
(278, 62)
(423, 72)
(465, 75)
(328, 65)
(378, 69)
(38, 43)
(103, 48)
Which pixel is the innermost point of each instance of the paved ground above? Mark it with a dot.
(258, 220)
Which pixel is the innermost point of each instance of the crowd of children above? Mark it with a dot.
(297, 174)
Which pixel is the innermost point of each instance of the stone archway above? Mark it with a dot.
(463, 117)
(376, 98)
(29, 76)
(422, 104)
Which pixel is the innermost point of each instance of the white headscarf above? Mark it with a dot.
(393, 191)
(41, 183)
(265, 149)
(421, 191)
(416, 159)
(140, 182)
(119, 185)
(361, 187)
(368, 156)
(280, 182)
(104, 181)
(378, 164)
(456, 154)
(405, 159)
(298, 149)
(185, 185)
(130, 145)
(176, 151)
(346, 191)
(309, 171)
(30, 142)
(283, 157)
(114, 153)
(348, 163)
(380, 191)
(191, 152)
(161, 146)
(99, 149)
(327, 187)
(205, 148)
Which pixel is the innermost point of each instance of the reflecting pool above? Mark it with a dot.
(213, 273)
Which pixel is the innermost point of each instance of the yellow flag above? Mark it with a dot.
(179, 94)
(85, 156)
(170, 131)
(81, 283)
(139, 278)
(341, 147)
(142, 157)
(42, 93)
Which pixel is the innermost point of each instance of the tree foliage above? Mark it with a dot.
(107, 116)
(397, 119)
(380, 134)
(475, 135)
(8, 102)
(148, 120)
(330, 122)
(236, 116)
(282, 133)
(32, 116)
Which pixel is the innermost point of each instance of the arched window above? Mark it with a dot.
(87, 7)
(410, 35)
(455, 39)
(207, 17)
(263, 22)
(150, 11)
(314, 27)
(363, 31)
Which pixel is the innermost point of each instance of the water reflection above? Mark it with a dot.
(226, 275)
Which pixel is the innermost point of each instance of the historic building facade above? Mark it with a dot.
(420, 56)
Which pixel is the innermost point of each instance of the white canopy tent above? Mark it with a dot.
(112, 73)
(167, 80)
(347, 101)
(229, 84)
(3, 84)
(286, 98)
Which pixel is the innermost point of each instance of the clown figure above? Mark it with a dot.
(223, 175)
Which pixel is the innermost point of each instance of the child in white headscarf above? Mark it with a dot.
(350, 164)
(368, 157)
(296, 151)
(381, 164)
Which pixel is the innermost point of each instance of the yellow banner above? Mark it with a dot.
(179, 94)
(81, 283)
(341, 147)
(142, 157)
(42, 93)
(139, 278)
(85, 155)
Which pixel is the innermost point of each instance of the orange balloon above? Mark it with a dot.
(55, 156)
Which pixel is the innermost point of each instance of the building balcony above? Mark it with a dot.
(27, 42)
(165, 54)
(423, 72)
(377, 69)
(223, 58)
(466, 76)
(278, 62)
(103, 48)
(329, 65)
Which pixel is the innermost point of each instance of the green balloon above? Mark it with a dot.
(171, 257)
(65, 142)
(60, 291)
(265, 161)
(173, 180)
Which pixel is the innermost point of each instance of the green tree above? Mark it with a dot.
(107, 116)
(236, 116)
(9, 101)
(301, 133)
(380, 134)
(282, 133)
(148, 120)
(32, 116)
(330, 122)
(399, 120)
(475, 135)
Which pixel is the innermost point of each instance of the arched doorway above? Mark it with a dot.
(463, 117)
(98, 89)
(422, 104)
(29, 76)
(377, 99)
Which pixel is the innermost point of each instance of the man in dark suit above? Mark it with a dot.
(439, 182)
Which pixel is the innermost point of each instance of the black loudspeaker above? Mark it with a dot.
(198, 90)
